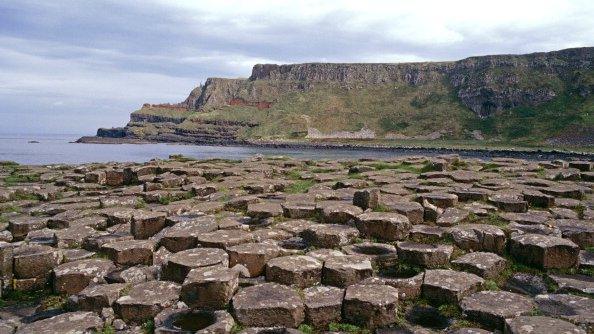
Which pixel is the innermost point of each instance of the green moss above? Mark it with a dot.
(9, 208)
(140, 204)
(346, 327)
(148, 327)
(300, 186)
(307, 329)
(107, 329)
(450, 310)
(491, 285)
(16, 177)
(237, 327)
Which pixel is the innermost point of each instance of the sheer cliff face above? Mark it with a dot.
(484, 85)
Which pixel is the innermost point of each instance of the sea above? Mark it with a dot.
(43, 149)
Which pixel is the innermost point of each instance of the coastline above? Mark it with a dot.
(519, 152)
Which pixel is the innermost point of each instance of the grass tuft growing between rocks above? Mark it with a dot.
(299, 186)
(347, 328)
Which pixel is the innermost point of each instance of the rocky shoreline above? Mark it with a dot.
(413, 244)
(521, 153)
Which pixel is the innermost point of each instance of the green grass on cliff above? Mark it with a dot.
(385, 109)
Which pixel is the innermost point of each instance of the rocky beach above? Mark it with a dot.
(413, 244)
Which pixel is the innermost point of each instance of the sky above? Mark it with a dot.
(69, 67)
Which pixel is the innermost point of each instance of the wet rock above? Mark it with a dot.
(370, 305)
(486, 265)
(209, 287)
(491, 308)
(342, 271)
(330, 235)
(540, 324)
(253, 256)
(130, 252)
(146, 300)
(424, 255)
(73, 277)
(178, 265)
(544, 251)
(323, 305)
(268, 305)
(449, 286)
(298, 270)
(72, 322)
(479, 237)
(383, 225)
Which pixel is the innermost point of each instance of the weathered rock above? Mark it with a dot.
(579, 231)
(323, 305)
(412, 210)
(145, 224)
(491, 308)
(340, 213)
(72, 322)
(95, 297)
(342, 271)
(185, 231)
(268, 305)
(428, 256)
(526, 284)
(209, 287)
(380, 255)
(253, 256)
(509, 202)
(298, 270)
(370, 305)
(264, 210)
(540, 324)
(544, 251)
(451, 216)
(130, 252)
(145, 300)
(73, 277)
(479, 237)
(575, 309)
(409, 288)
(441, 200)
(573, 283)
(383, 225)
(367, 198)
(330, 235)
(196, 321)
(486, 265)
(449, 286)
(133, 275)
(178, 265)
(224, 238)
(35, 261)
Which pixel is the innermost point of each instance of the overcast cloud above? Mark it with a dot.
(73, 66)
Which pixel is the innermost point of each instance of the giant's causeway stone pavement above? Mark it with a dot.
(407, 245)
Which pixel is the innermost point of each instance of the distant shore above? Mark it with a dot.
(519, 152)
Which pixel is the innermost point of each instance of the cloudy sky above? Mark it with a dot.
(72, 66)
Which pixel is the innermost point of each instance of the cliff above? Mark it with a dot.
(538, 97)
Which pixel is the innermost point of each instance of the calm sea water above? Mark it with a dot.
(60, 149)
